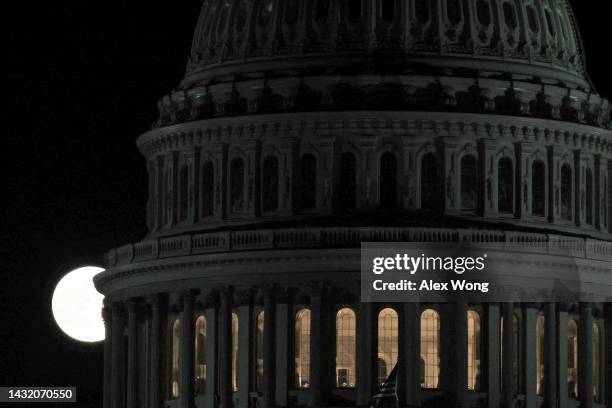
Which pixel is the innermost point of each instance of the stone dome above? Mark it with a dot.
(534, 38)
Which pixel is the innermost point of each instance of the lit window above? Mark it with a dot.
(234, 352)
(430, 349)
(259, 352)
(176, 336)
(538, 189)
(469, 183)
(269, 183)
(387, 343)
(540, 355)
(388, 181)
(505, 186)
(200, 355)
(345, 348)
(572, 359)
(566, 192)
(302, 349)
(597, 372)
(429, 181)
(473, 322)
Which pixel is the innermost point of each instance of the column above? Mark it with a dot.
(117, 356)
(509, 356)
(225, 350)
(187, 362)
(284, 323)
(554, 200)
(107, 317)
(409, 358)
(562, 316)
(597, 216)
(319, 383)
(493, 354)
(269, 376)
(459, 381)
(211, 305)
(132, 355)
(550, 356)
(530, 313)
(585, 344)
(366, 354)
(579, 187)
(488, 184)
(607, 380)
(157, 316)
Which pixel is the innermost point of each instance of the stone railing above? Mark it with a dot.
(312, 238)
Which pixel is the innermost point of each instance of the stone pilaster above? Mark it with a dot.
(550, 356)
(319, 381)
(585, 353)
(158, 313)
(225, 350)
(460, 370)
(409, 358)
(366, 354)
(187, 357)
(509, 356)
(562, 318)
(530, 313)
(132, 355)
(269, 376)
(107, 317)
(117, 388)
(493, 353)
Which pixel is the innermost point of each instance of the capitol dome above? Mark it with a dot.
(304, 128)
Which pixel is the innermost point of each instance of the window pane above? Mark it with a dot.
(235, 352)
(345, 348)
(176, 336)
(200, 356)
(473, 322)
(387, 343)
(302, 349)
(430, 349)
(259, 352)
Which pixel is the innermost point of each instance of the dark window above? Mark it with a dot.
(292, 12)
(429, 181)
(483, 10)
(322, 9)
(505, 186)
(550, 23)
(388, 10)
(538, 189)
(184, 192)
(269, 183)
(241, 17)
(510, 15)
(469, 183)
(222, 18)
(589, 196)
(421, 10)
(237, 185)
(309, 182)
(453, 11)
(266, 9)
(208, 189)
(348, 187)
(354, 9)
(566, 192)
(533, 19)
(388, 181)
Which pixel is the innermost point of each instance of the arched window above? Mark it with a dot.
(474, 355)
(589, 196)
(505, 186)
(309, 182)
(200, 355)
(430, 349)
(183, 192)
(235, 352)
(348, 181)
(323, 7)
(174, 374)
(208, 189)
(566, 192)
(483, 11)
(597, 371)
(429, 181)
(388, 10)
(572, 359)
(269, 183)
(388, 181)
(259, 352)
(517, 350)
(510, 15)
(469, 183)
(540, 355)
(538, 188)
(354, 10)
(421, 10)
(345, 348)
(302, 349)
(237, 185)
(387, 343)
(453, 11)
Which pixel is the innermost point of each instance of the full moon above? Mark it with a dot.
(77, 305)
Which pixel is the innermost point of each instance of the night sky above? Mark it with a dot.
(83, 81)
